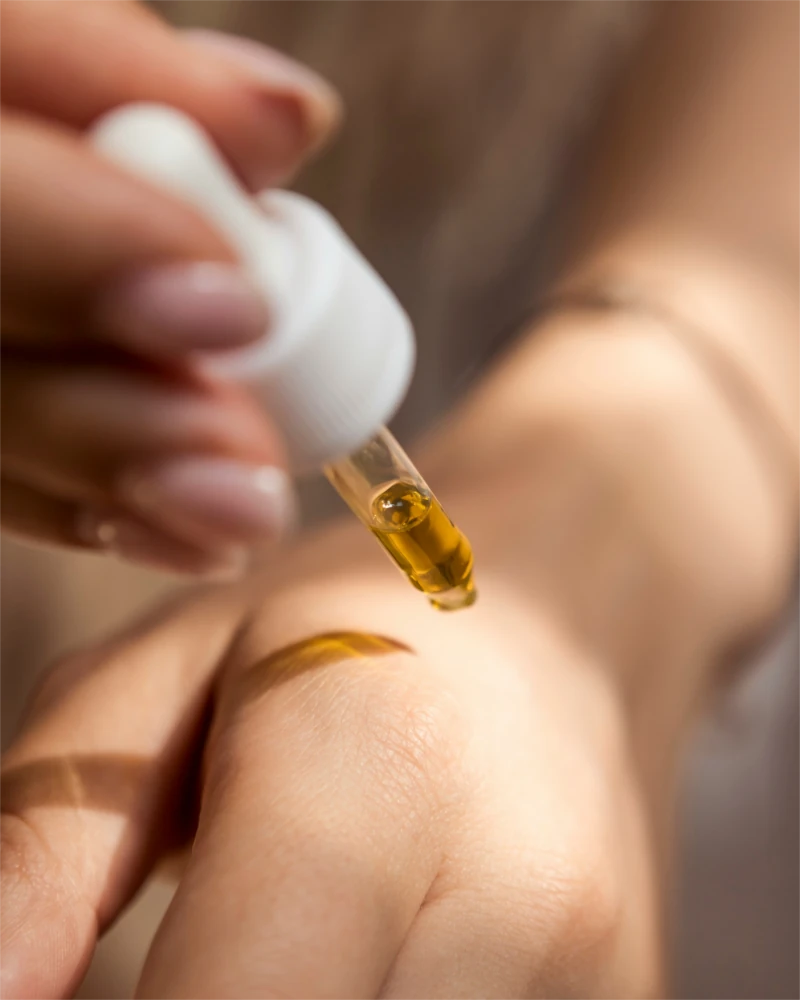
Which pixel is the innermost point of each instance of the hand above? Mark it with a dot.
(486, 812)
(110, 288)
(446, 808)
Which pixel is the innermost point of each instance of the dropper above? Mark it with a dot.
(337, 360)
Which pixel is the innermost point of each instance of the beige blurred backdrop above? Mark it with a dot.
(464, 122)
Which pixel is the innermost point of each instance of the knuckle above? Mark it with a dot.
(584, 904)
(394, 717)
(389, 724)
(410, 733)
(404, 717)
(560, 917)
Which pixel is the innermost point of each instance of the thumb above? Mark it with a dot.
(93, 786)
(70, 61)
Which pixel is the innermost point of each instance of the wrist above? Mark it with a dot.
(735, 310)
(616, 483)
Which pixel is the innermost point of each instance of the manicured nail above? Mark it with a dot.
(136, 542)
(215, 498)
(305, 106)
(202, 306)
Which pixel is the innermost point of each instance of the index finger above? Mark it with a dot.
(72, 223)
(73, 60)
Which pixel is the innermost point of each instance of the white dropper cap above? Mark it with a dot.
(339, 353)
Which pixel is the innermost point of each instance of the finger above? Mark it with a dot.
(40, 517)
(91, 253)
(72, 61)
(465, 946)
(541, 893)
(479, 943)
(320, 831)
(94, 786)
(322, 106)
(197, 459)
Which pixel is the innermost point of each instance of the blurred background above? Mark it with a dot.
(465, 122)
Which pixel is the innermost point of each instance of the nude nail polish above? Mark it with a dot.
(216, 498)
(174, 308)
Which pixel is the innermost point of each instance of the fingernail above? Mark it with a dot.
(138, 543)
(202, 306)
(312, 107)
(202, 498)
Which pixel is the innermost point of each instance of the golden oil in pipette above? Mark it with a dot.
(422, 540)
(382, 487)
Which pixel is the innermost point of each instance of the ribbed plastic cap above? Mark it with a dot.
(337, 359)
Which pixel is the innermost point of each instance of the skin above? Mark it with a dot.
(487, 814)
(478, 804)
(350, 793)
